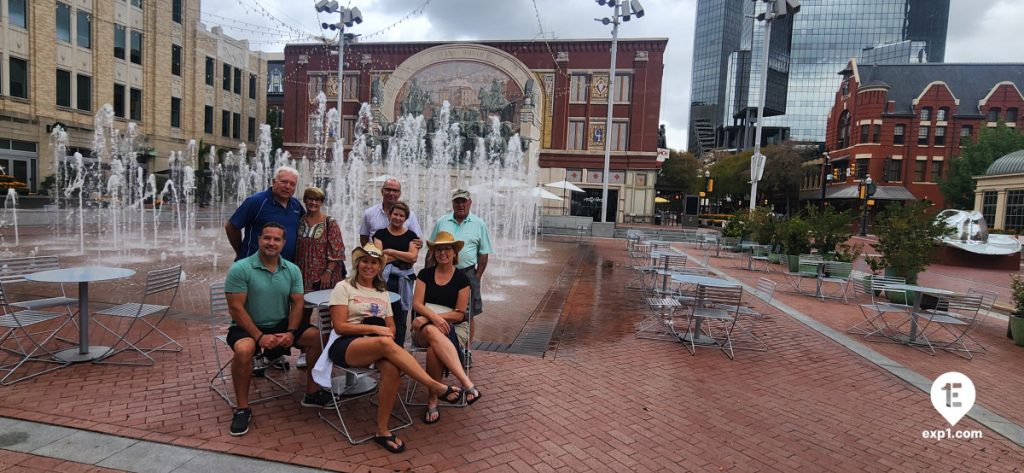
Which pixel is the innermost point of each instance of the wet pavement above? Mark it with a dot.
(586, 396)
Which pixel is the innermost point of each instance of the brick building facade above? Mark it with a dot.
(901, 124)
(563, 123)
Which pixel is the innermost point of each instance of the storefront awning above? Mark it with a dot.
(881, 193)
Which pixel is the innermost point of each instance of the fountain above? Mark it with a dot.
(111, 210)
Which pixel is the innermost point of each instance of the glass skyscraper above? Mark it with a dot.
(825, 34)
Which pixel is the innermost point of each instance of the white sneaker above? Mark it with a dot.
(301, 361)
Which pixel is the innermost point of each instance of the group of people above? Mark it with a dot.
(284, 250)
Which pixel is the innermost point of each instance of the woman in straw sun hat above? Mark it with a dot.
(364, 334)
(440, 302)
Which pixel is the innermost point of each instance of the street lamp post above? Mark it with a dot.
(623, 9)
(867, 189)
(826, 176)
(349, 17)
(774, 10)
(707, 191)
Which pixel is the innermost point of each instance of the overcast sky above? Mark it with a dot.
(979, 30)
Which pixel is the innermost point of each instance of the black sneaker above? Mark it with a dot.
(322, 399)
(240, 422)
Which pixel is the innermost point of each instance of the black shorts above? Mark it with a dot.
(236, 333)
(337, 351)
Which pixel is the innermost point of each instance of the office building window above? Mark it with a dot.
(63, 22)
(1011, 115)
(926, 114)
(893, 170)
(252, 86)
(236, 126)
(919, 167)
(876, 135)
(84, 29)
(578, 88)
(844, 129)
(63, 88)
(226, 81)
(136, 51)
(251, 129)
(208, 120)
(897, 134)
(936, 171)
(988, 207)
(137, 3)
(622, 90)
(135, 104)
(119, 41)
(225, 124)
(238, 81)
(922, 135)
(619, 135)
(175, 112)
(83, 92)
(16, 13)
(176, 60)
(1014, 210)
(119, 100)
(348, 127)
(276, 82)
(993, 114)
(176, 11)
(18, 71)
(942, 114)
(577, 131)
(209, 71)
(865, 130)
(940, 136)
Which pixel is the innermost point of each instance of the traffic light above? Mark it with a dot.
(711, 185)
(835, 174)
(853, 169)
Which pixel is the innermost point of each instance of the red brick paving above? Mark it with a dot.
(601, 401)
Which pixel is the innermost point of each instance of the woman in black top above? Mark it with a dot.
(396, 241)
(441, 327)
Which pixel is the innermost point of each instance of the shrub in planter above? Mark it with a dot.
(906, 239)
(1015, 327)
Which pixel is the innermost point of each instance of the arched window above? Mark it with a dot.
(844, 129)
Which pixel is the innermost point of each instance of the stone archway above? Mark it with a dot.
(509, 65)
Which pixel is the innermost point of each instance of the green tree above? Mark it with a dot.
(783, 172)
(678, 174)
(975, 158)
(732, 177)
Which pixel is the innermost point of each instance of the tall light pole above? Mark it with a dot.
(623, 9)
(826, 177)
(349, 17)
(867, 189)
(774, 9)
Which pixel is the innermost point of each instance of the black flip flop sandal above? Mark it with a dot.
(393, 439)
(431, 410)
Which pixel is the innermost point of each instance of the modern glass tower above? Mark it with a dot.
(807, 52)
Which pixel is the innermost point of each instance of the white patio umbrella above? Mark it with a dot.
(543, 194)
(564, 185)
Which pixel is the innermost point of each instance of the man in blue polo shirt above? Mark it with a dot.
(472, 231)
(264, 295)
(276, 204)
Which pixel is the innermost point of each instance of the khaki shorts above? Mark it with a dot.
(461, 332)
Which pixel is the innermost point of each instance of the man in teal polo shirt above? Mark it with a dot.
(264, 294)
(472, 230)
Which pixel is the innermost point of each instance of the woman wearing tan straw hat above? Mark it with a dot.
(364, 334)
(440, 301)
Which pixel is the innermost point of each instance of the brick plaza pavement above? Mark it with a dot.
(599, 400)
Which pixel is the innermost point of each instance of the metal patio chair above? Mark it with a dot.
(836, 273)
(24, 337)
(222, 379)
(161, 286)
(716, 310)
(947, 325)
(322, 318)
(868, 295)
(410, 392)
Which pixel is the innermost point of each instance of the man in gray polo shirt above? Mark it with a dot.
(264, 294)
(378, 216)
